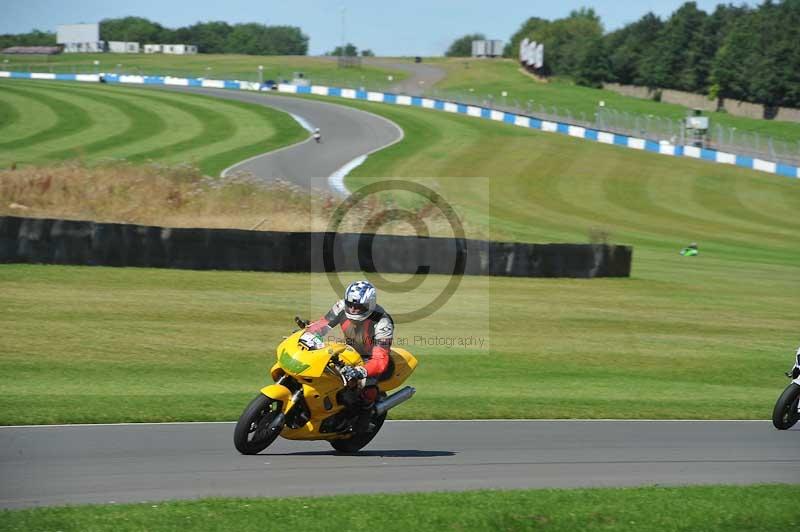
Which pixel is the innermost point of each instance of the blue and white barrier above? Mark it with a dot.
(603, 137)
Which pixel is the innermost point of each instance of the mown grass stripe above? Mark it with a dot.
(215, 127)
(143, 123)
(8, 115)
(177, 127)
(107, 121)
(71, 119)
(34, 116)
(283, 131)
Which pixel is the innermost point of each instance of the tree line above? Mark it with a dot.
(213, 37)
(740, 52)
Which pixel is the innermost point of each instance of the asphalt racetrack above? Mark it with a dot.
(347, 133)
(148, 462)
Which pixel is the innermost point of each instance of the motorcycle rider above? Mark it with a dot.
(369, 329)
(317, 135)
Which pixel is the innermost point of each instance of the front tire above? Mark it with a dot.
(785, 414)
(251, 435)
(359, 440)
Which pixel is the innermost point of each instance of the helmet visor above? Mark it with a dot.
(356, 308)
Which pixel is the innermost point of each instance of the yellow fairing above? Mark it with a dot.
(404, 365)
(320, 386)
(301, 362)
(278, 392)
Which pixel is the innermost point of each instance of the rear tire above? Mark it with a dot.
(251, 435)
(359, 440)
(785, 414)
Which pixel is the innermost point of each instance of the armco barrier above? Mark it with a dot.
(48, 241)
(532, 122)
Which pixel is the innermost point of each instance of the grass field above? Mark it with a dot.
(54, 121)
(319, 70)
(683, 338)
(711, 509)
(161, 345)
(495, 76)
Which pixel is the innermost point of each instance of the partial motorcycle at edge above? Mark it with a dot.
(787, 410)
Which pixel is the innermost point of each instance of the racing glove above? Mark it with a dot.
(354, 373)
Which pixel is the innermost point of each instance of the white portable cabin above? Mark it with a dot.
(491, 48)
(479, 49)
(152, 48)
(179, 49)
(121, 47)
(93, 47)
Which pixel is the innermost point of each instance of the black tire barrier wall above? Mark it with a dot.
(48, 241)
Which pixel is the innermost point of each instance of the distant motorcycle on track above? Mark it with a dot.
(311, 400)
(787, 409)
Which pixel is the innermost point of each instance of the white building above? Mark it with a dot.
(80, 38)
(121, 47)
(491, 48)
(177, 49)
(180, 49)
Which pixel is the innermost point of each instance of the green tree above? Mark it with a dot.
(680, 58)
(533, 25)
(573, 46)
(349, 50)
(593, 65)
(258, 39)
(759, 60)
(209, 37)
(32, 38)
(367, 53)
(628, 45)
(462, 47)
(131, 29)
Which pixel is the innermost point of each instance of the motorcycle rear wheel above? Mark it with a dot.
(359, 440)
(251, 435)
(785, 414)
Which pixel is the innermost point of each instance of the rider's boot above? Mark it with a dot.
(366, 404)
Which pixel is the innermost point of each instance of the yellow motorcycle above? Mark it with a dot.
(311, 400)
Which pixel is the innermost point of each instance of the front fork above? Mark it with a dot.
(291, 403)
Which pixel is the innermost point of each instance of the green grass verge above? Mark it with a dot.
(495, 76)
(82, 344)
(547, 187)
(711, 509)
(214, 66)
(94, 123)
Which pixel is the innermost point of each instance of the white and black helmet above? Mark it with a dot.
(360, 299)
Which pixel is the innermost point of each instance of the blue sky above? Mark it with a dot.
(406, 27)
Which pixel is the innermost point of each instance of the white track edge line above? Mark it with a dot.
(517, 420)
(336, 179)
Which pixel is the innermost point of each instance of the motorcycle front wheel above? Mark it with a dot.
(359, 440)
(786, 414)
(252, 434)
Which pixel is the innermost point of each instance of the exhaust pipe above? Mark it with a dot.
(395, 399)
